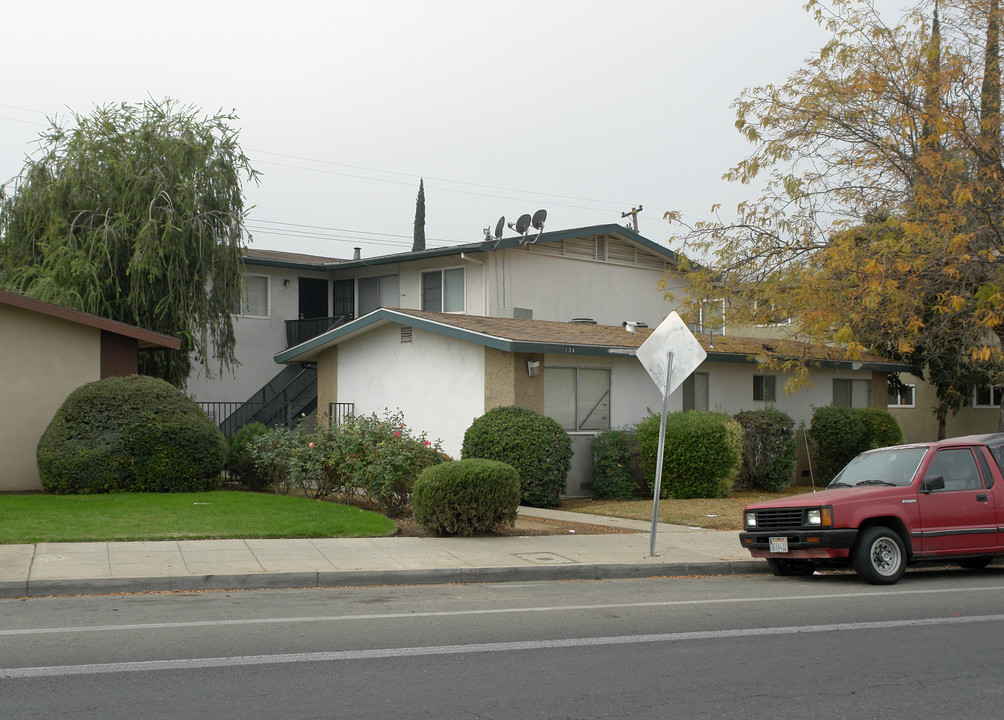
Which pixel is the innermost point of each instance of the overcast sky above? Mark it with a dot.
(584, 108)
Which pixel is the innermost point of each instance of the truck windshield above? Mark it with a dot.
(894, 466)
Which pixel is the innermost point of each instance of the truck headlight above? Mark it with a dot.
(751, 519)
(819, 517)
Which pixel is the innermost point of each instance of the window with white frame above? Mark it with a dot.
(771, 318)
(254, 299)
(378, 292)
(765, 388)
(713, 316)
(989, 397)
(578, 398)
(695, 391)
(855, 393)
(443, 290)
(901, 397)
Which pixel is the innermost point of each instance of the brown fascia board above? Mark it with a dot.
(146, 339)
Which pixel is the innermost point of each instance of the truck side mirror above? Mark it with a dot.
(934, 482)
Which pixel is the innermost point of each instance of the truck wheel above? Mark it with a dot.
(879, 556)
(787, 568)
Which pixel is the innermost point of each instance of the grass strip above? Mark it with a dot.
(180, 516)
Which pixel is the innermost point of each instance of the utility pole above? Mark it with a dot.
(634, 216)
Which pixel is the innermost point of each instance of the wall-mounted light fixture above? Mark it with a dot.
(285, 282)
(533, 367)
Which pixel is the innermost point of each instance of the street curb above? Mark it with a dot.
(359, 578)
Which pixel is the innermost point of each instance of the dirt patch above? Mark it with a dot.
(525, 525)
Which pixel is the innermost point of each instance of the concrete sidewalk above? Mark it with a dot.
(130, 567)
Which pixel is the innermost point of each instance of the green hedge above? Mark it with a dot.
(135, 434)
(466, 497)
(240, 462)
(614, 453)
(534, 444)
(702, 454)
(769, 455)
(841, 432)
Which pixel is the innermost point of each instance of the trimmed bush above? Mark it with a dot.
(466, 497)
(534, 444)
(881, 427)
(841, 432)
(614, 452)
(768, 448)
(240, 463)
(130, 434)
(702, 454)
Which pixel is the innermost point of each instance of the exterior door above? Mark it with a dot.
(963, 515)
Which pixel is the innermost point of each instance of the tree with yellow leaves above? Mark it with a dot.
(879, 226)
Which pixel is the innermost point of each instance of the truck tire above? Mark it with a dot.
(788, 568)
(879, 556)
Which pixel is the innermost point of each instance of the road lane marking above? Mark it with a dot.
(408, 652)
(483, 611)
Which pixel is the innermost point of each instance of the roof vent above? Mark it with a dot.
(406, 334)
(630, 325)
(583, 321)
(357, 254)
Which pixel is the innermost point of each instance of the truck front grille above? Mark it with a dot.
(779, 518)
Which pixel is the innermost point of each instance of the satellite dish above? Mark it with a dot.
(538, 219)
(522, 224)
(499, 227)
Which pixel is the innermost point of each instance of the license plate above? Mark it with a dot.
(779, 544)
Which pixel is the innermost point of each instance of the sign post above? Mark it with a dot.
(671, 341)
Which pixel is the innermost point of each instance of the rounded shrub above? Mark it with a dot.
(466, 497)
(838, 434)
(130, 434)
(614, 453)
(702, 454)
(769, 455)
(240, 462)
(534, 444)
(881, 428)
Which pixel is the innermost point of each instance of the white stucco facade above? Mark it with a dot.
(437, 382)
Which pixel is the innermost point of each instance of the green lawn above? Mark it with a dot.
(180, 516)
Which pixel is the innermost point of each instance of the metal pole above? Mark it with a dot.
(661, 453)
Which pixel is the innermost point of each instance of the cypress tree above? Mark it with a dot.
(419, 243)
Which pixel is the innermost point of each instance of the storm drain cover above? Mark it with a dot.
(545, 558)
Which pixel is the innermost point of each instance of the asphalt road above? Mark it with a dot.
(754, 647)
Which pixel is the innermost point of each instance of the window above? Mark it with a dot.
(856, 393)
(378, 292)
(713, 316)
(695, 392)
(578, 398)
(902, 398)
(443, 290)
(254, 300)
(989, 397)
(764, 388)
(958, 469)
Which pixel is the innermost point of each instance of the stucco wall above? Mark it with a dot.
(436, 381)
(42, 361)
(920, 424)
(258, 340)
(327, 379)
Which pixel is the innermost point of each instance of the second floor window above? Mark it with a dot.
(254, 300)
(378, 292)
(989, 397)
(443, 290)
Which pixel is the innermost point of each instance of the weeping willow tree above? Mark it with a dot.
(136, 213)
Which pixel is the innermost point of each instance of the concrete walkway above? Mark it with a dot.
(130, 567)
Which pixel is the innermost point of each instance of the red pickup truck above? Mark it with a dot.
(888, 508)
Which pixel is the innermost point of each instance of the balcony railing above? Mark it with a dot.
(298, 331)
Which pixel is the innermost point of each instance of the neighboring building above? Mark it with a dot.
(444, 370)
(607, 274)
(48, 352)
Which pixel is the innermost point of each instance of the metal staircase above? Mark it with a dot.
(280, 403)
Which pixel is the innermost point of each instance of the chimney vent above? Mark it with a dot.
(357, 254)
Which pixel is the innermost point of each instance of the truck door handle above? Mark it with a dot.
(981, 498)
